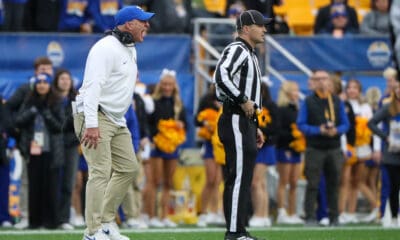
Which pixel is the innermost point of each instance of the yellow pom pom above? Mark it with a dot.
(363, 133)
(209, 118)
(299, 142)
(263, 117)
(169, 136)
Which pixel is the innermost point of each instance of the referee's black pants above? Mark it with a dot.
(238, 135)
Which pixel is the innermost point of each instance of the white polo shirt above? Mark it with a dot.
(109, 81)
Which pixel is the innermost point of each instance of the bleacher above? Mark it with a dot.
(300, 14)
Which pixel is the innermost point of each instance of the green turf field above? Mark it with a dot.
(274, 233)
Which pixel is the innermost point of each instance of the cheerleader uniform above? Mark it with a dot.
(163, 110)
(208, 101)
(287, 117)
(267, 153)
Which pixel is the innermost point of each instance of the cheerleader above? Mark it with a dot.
(288, 153)
(168, 109)
(268, 123)
(363, 113)
(206, 120)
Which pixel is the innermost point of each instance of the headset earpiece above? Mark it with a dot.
(124, 37)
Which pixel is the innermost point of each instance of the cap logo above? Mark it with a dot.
(42, 77)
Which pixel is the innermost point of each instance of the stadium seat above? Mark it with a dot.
(290, 4)
(366, 4)
(297, 3)
(320, 3)
(361, 13)
(280, 10)
(353, 3)
(216, 6)
(301, 20)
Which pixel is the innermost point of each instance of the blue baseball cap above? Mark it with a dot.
(130, 13)
(338, 10)
(41, 77)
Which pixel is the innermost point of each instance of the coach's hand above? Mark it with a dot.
(248, 108)
(91, 137)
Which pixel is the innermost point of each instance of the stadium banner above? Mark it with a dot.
(18, 51)
(351, 53)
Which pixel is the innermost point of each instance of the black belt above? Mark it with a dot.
(231, 108)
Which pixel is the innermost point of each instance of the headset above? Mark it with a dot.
(125, 38)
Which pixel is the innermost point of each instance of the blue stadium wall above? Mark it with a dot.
(18, 51)
(350, 55)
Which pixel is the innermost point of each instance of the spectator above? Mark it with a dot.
(266, 7)
(144, 106)
(323, 18)
(168, 106)
(390, 75)
(78, 193)
(74, 17)
(266, 156)
(208, 9)
(210, 196)
(13, 104)
(137, 119)
(376, 22)
(288, 157)
(363, 113)
(103, 12)
(41, 65)
(222, 34)
(1, 15)
(323, 120)
(389, 115)
(4, 125)
(64, 86)
(14, 11)
(42, 15)
(40, 120)
(339, 22)
(395, 21)
(5, 218)
(347, 142)
(178, 13)
(131, 204)
(373, 96)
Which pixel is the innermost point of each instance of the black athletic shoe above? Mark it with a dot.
(241, 236)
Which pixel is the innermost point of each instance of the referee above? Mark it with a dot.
(238, 86)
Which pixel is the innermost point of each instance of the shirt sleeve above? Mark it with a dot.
(344, 123)
(302, 122)
(98, 69)
(231, 61)
(378, 117)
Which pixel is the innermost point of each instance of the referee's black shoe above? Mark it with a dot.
(241, 236)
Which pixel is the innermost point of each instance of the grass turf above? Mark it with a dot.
(274, 233)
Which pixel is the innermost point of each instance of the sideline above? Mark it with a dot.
(196, 229)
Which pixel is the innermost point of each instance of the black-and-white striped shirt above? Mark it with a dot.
(238, 74)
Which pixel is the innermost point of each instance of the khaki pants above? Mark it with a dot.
(132, 203)
(112, 168)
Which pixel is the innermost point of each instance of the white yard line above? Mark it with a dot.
(194, 230)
